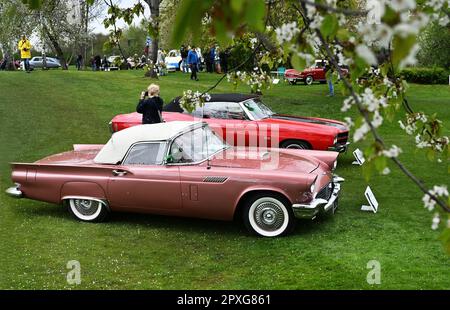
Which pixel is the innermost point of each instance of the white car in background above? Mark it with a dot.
(38, 62)
(173, 60)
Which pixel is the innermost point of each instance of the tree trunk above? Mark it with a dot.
(58, 50)
(154, 15)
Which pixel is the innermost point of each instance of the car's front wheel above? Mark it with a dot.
(268, 215)
(88, 210)
(309, 80)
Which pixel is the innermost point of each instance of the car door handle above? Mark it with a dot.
(119, 173)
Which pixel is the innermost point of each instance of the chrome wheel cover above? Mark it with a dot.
(269, 216)
(86, 207)
(296, 146)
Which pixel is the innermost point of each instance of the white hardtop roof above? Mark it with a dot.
(116, 148)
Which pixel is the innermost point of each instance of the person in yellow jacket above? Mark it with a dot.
(25, 52)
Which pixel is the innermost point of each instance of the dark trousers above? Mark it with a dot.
(194, 70)
(26, 62)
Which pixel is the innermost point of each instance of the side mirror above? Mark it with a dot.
(169, 159)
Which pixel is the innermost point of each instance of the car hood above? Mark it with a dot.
(273, 159)
(292, 120)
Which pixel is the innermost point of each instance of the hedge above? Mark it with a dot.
(426, 75)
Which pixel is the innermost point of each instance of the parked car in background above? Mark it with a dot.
(38, 62)
(316, 73)
(173, 60)
(184, 169)
(244, 120)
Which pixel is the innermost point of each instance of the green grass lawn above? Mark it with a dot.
(46, 112)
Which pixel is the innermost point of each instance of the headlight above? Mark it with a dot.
(335, 140)
(313, 186)
(334, 164)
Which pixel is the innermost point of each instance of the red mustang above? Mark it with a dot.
(184, 169)
(309, 75)
(243, 120)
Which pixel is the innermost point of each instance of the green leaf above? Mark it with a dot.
(254, 14)
(237, 5)
(401, 47)
(298, 62)
(329, 26)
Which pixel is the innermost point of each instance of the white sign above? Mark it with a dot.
(359, 156)
(373, 203)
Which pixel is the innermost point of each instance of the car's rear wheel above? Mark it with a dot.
(268, 215)
(309, 80)
(296, 144)
(88, 210)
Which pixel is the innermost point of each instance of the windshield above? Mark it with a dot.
(196, 145)
(258, 109)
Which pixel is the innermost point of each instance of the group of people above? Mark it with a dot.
(192, 60)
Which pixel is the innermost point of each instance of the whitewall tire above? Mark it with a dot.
(87, 210)
(268, 216)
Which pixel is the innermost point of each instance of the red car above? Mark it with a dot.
(244, 120)
(309, 75)
(184, 169)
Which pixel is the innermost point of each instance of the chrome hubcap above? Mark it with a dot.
(85, 206)
(269, 216)
(295, 146)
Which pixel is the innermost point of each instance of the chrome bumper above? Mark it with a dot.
(15, 191)
(318, 205)
(339, 148)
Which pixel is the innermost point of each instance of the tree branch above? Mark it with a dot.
(366, 116)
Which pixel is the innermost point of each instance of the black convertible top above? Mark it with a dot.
(174, 105)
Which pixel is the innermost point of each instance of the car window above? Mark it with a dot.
(221, 110)
(195, 145)
(146, 154)
(37, 59)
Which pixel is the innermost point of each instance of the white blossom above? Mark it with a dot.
(437, 191)
(436, 221)
(402, 5)
(361, 132)
(349, 122)
(366, 53)
(394, 151)
(286, 32)
(386, 171)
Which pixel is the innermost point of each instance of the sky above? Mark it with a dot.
(97, 24)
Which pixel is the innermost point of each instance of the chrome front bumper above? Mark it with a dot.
(15, 191)
(318, 205)
(339, 148)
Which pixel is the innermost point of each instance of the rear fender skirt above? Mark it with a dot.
(83, 189)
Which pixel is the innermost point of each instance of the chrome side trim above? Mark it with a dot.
(15, 191)
(103, 201)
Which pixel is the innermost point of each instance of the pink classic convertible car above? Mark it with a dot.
(184, 169)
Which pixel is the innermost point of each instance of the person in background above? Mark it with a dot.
(212, 57)
(25, 52)
(329, 76)
(184, 54)
(79, 61)
(200, 58)
(105, 63)
(150, 105)
(224, 60)
(192, 61)
(217, 61)
(98, 62)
